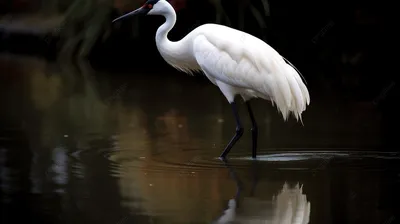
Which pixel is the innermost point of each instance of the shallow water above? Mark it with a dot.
(85, 146)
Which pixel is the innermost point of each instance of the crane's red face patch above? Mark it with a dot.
(147, 6)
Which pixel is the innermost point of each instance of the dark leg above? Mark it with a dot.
(238, 134)
(254, 130)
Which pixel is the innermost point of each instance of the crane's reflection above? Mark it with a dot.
(290, 206)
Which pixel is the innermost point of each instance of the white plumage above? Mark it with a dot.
(237, 62)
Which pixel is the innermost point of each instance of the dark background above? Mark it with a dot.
(341, 47)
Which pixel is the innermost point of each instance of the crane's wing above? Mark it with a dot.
(239, 59)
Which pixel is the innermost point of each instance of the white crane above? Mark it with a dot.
(237, 62)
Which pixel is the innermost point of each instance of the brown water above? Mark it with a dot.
(85, 146)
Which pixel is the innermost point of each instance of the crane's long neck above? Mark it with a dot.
(176, 53)
(163, 30)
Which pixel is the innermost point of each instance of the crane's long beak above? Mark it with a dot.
(139, 11)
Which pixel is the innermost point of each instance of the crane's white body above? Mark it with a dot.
(237, 62)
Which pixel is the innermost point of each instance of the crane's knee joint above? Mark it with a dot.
(239, 131)
(254, 129)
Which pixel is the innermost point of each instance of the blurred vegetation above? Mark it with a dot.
(88, 20)
(85, 21)
(259, 9)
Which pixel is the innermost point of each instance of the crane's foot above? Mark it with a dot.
(238, 134)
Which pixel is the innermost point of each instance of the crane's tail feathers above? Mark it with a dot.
(287, 61)
(289, 93)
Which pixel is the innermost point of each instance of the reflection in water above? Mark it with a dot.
(60, 168)
(169, 192)
(5, 172)
(68, 125)
(84, 146)
(290, 206)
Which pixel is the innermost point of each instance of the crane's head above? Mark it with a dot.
(151, 7)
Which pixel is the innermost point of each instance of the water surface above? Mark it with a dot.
(84, 146)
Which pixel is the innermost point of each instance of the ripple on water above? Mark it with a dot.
(168, 162)
(177, 159)
(288, 156)
(201, 160)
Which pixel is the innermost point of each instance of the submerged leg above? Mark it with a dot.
(238, 134)
(254, 130)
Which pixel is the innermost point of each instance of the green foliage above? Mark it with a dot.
(85, 22)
